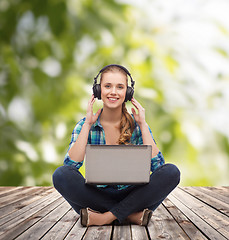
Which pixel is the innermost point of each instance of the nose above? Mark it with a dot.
(113, 90)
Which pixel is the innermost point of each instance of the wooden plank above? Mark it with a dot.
(28, 218)
(212, 201)
(215, 218)
(3, 188)
(187, 213)
(21, 193)
(224, 191)
(10, 193)
(4, 191)
(13, 206)
(62, 227)
(77, 232)
(24, 224)
(28, 208)
(98, 232)
(216, 192)
(139, 232)
(122, 232)
(201, 224)
(190, 229)
(41, 227)
(162, 225)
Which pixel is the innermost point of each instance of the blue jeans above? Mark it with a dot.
(71, 185)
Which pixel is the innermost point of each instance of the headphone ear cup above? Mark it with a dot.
(97, 91)
(129, 93)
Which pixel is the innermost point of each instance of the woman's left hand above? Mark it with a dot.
(140, 117)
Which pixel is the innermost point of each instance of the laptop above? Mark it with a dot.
(118, 164)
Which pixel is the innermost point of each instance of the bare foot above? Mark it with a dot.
(99, 219)
(135, 218)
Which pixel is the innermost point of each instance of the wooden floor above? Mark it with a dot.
(41, 213)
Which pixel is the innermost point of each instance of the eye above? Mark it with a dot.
(107, 86)
(120, 87)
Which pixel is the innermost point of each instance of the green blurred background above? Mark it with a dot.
(177, 52)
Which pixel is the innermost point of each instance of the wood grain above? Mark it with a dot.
(42, 213)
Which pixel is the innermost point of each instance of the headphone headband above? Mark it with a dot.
(115, 65)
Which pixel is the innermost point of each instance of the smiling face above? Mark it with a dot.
(113, 89)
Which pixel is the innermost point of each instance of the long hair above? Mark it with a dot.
(127, 122)
(126, 126)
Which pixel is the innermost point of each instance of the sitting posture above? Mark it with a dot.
(113, 125)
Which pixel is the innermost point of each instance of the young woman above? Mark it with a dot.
(102, 204)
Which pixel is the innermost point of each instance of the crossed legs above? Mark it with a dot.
(112, 203)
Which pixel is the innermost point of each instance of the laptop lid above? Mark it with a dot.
(118, 164)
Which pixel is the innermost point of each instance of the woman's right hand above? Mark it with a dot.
(77, 151)
(90, 117)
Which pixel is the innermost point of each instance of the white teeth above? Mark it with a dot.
(113, 99)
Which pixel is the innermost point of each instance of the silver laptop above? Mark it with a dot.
(118, 164)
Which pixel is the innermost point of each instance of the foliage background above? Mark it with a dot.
(177, 52)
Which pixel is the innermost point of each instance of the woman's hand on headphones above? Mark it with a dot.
(90, 117)
(140, 117)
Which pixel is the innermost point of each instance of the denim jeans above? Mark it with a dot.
(71, 185)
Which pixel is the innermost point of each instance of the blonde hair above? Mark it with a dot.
(127, 122)
(126, 126)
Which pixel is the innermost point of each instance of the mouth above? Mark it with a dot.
(113, 99)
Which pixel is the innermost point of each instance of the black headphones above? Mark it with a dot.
(97, 88)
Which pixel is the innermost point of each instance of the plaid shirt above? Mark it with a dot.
(97, 136)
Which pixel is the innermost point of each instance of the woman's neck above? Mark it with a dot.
(112, 116)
